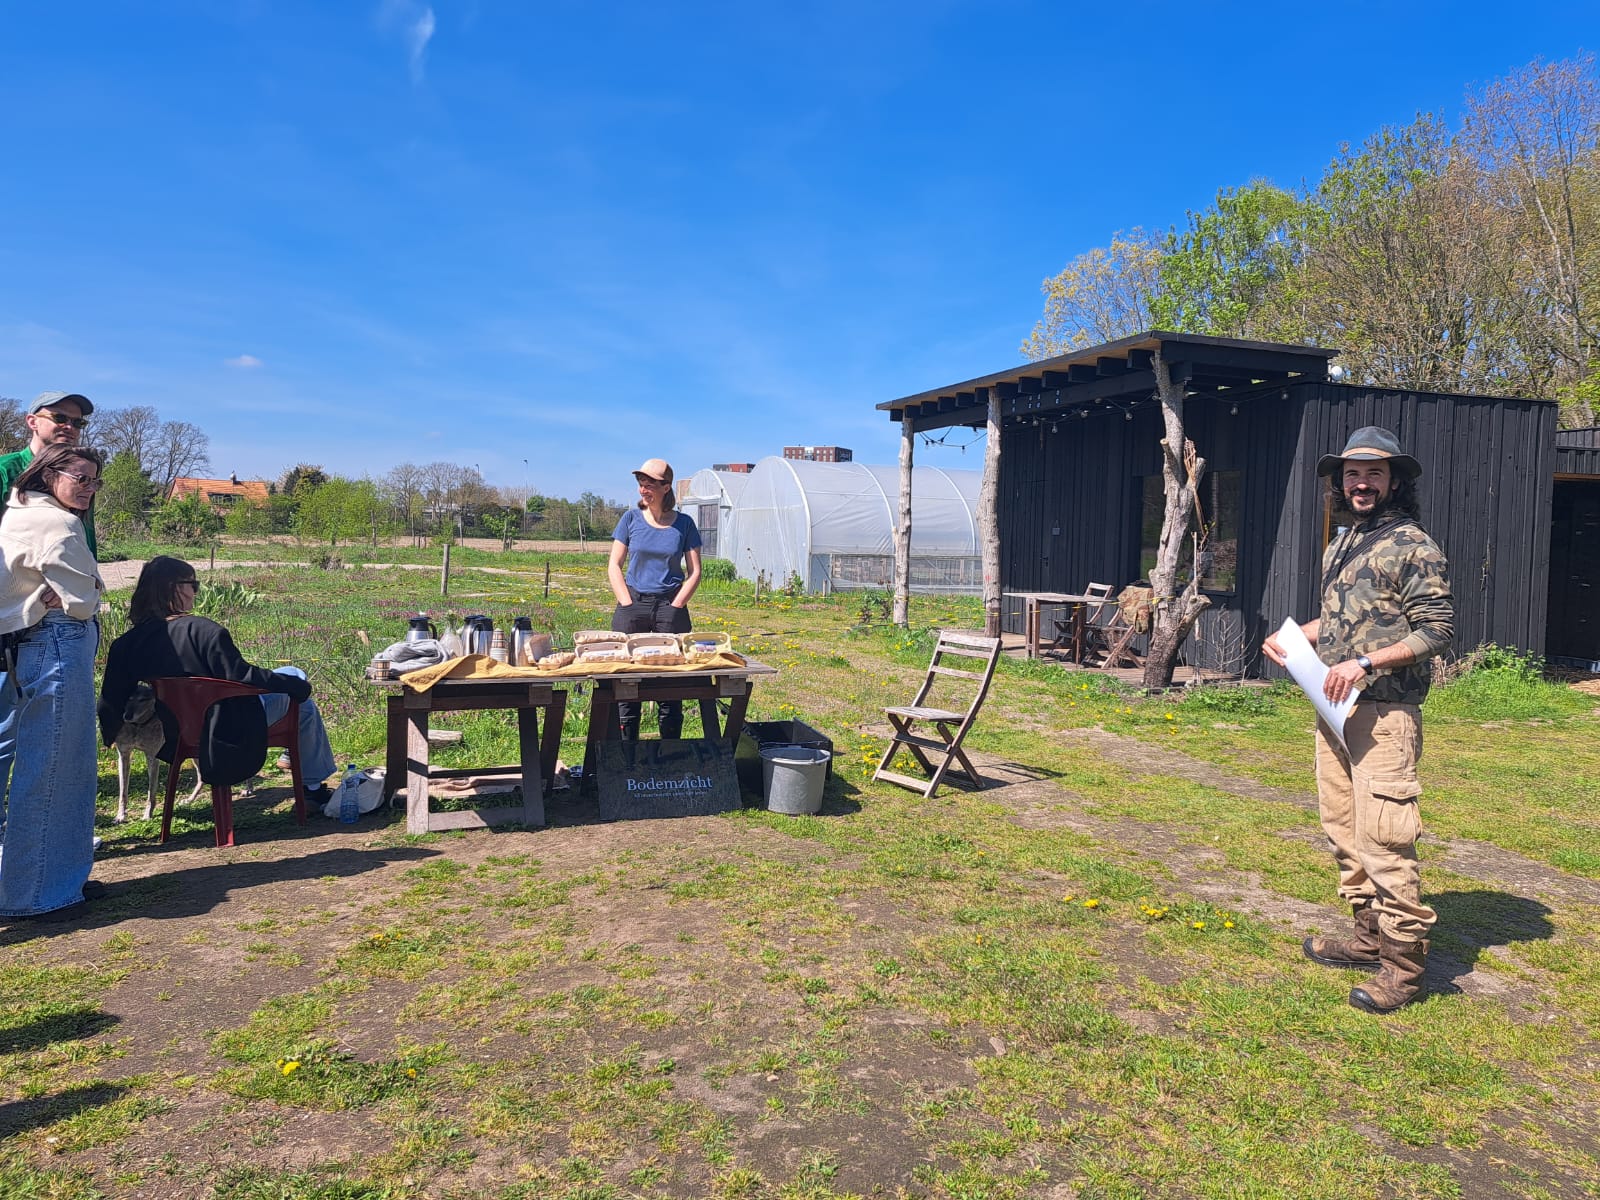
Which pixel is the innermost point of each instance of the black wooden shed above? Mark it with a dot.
(1080, 473)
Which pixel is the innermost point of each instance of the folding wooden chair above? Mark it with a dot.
(949, 725)
(1077, 629)
(1127, 619)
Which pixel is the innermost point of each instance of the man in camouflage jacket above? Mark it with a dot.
(1386, 610)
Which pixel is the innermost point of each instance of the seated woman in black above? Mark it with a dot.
(168, 639)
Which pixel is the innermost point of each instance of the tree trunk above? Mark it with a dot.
(989, 520)
(1174, 615)
(902, 531)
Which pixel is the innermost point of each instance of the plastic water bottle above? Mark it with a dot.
(349, 806)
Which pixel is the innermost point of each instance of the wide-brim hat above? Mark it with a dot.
(658, 469)
(46, 399)
(1368, 443)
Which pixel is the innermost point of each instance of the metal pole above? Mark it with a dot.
(444, 572)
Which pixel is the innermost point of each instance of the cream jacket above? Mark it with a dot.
(42, 545)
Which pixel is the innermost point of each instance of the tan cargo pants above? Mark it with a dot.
(1369, 806)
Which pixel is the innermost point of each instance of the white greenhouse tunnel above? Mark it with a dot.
(832, 524)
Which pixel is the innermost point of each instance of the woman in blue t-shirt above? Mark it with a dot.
(661, 548)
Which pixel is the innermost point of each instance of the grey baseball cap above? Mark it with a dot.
(46, 399)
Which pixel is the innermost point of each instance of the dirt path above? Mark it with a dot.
(126, 573)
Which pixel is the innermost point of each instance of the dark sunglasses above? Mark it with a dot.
(194, 583)
(63, 419)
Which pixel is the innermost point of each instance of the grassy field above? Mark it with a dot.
(1084, 981)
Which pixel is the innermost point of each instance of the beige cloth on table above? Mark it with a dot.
(481, 666)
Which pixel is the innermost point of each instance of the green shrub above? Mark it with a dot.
(718, 570)
(1501, 683)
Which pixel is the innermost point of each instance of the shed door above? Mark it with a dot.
(1573, 628)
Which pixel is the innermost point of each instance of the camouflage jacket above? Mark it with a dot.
(1394, 587)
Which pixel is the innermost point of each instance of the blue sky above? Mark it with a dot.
(553, 239)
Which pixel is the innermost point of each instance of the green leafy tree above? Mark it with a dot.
(246, 520)
(1100, 296)
(341, 510)
(1218, 275)
(186, 519)
(122, 502)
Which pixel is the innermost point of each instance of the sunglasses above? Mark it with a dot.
(194, 583)
(93, 482)
(63, 419)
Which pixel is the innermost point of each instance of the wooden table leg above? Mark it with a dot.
(710, 722)
(528, 757)
(394, 764)
(1078, 618)
(416, 770)
(1030, 623)
(550, 747)
(734, 726)
(602, 716)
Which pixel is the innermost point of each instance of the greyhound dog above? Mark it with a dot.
(141, 730)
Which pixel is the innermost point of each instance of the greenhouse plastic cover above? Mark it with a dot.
(787, 510)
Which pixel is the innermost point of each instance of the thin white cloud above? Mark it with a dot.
(415, 24)
(245, 362)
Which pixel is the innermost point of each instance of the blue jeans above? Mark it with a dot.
(49, 804)
(316, 755)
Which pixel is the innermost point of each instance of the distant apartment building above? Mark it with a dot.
(737, 468)
(818, 453)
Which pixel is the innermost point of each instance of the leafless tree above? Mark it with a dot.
(180, 449)
(1536, 139)
(135, 430)
(1181, 471)
(14, 433)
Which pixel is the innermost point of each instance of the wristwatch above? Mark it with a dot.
(1364, 663)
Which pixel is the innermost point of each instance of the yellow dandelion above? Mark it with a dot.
(412, 1072)
(1170, 717)
(290, 1067)
(1227, 924)
(1091, 903)
(1197, 924)
(1068, 898)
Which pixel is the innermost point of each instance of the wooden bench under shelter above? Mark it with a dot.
(948, 726)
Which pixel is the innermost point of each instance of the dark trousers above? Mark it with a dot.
(651, 613)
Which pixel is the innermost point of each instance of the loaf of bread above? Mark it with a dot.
(585, 637)
(562, 658)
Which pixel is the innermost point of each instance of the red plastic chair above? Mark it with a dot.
(189, 697)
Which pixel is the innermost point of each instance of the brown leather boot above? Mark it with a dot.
(1400, 980)
(1358, 953)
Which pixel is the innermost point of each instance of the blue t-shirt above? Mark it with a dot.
(655, 556)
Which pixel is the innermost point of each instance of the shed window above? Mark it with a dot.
(1219, 500)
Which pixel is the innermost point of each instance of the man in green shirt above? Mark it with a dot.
(53, 418)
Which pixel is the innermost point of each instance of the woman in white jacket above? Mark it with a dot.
(50, 591)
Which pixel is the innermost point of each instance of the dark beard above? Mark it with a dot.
(1379, 510)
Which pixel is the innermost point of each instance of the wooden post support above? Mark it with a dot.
(547, 579)
(444, 572)
(902, 531)
(988, 519)
(213, 557)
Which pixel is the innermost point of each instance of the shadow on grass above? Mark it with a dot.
(68, 1024)
(1475, 921)
(190, 891)
(19, 1116)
